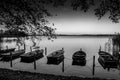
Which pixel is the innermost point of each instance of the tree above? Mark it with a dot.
(101, 7)
(30, 15)
(25, 15)
(109, 6)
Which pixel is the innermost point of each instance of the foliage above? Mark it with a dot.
(14, 33)
(30, 15)
(25, 15)
(116, 39)
(109, 6)
(83, 4)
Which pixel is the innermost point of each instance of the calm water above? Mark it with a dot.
(90, 45)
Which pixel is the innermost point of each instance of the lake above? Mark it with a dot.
(70, 44)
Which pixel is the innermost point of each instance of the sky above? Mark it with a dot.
(68, 21)
(71, 25)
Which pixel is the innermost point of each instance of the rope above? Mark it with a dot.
(15, 63)
(68, 58)
(89, 58)
(89, 67)
(40, 63)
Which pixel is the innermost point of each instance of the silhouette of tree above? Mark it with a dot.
(84, 5)
(25, 15)
(30, 15)
(102, 7)
(109, 6)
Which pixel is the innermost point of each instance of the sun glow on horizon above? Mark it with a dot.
(85, 26)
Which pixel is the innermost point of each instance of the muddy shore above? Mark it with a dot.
(7, 74)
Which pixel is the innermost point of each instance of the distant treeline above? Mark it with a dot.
(12, 33)
(96, 35)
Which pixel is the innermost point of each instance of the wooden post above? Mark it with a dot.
(11, 59)
(63, 62)
(100, 49)
(80, 49)
(24, 47)
(6, 47)
(93, 71)
(63, 49)
(45, 50)
(31, 48)
(63, 66)
(34, 58)
(119, 66)
(18, 47)
(34, 62)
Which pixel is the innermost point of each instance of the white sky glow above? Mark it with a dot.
(85, 26)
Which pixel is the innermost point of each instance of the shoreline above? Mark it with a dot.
(9, 74)
(95, 35)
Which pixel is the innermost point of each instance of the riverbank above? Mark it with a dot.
(7, 74)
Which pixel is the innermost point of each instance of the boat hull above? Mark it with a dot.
(79, 62)
(7, 50)
(107, 60)
(28, 59)
(107, 64)
(56, 57)
(14, 55)
(55, 60)
(79, 58)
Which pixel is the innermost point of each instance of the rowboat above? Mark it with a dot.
(32, 56)
(55, 57)
(12, 55)
(6, 50)
(107, 60)
(79, 56)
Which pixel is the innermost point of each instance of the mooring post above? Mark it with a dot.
(80, 49)
(31, 48)
(63, 49)
(24, 47)
(18, 47)
(11, 59)
(6, 47)
(34, 62)
(63, 61)
(100, 49)
(119, 66)
(93, 71)
(63, 66)
(45, 50)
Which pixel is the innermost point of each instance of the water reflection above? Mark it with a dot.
(71, 44)
(79, 63)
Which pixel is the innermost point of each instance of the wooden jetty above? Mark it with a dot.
(12, 55)
(107, 60)
(32, 56)
(79, 58)
(6, 50)
(55, 57)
